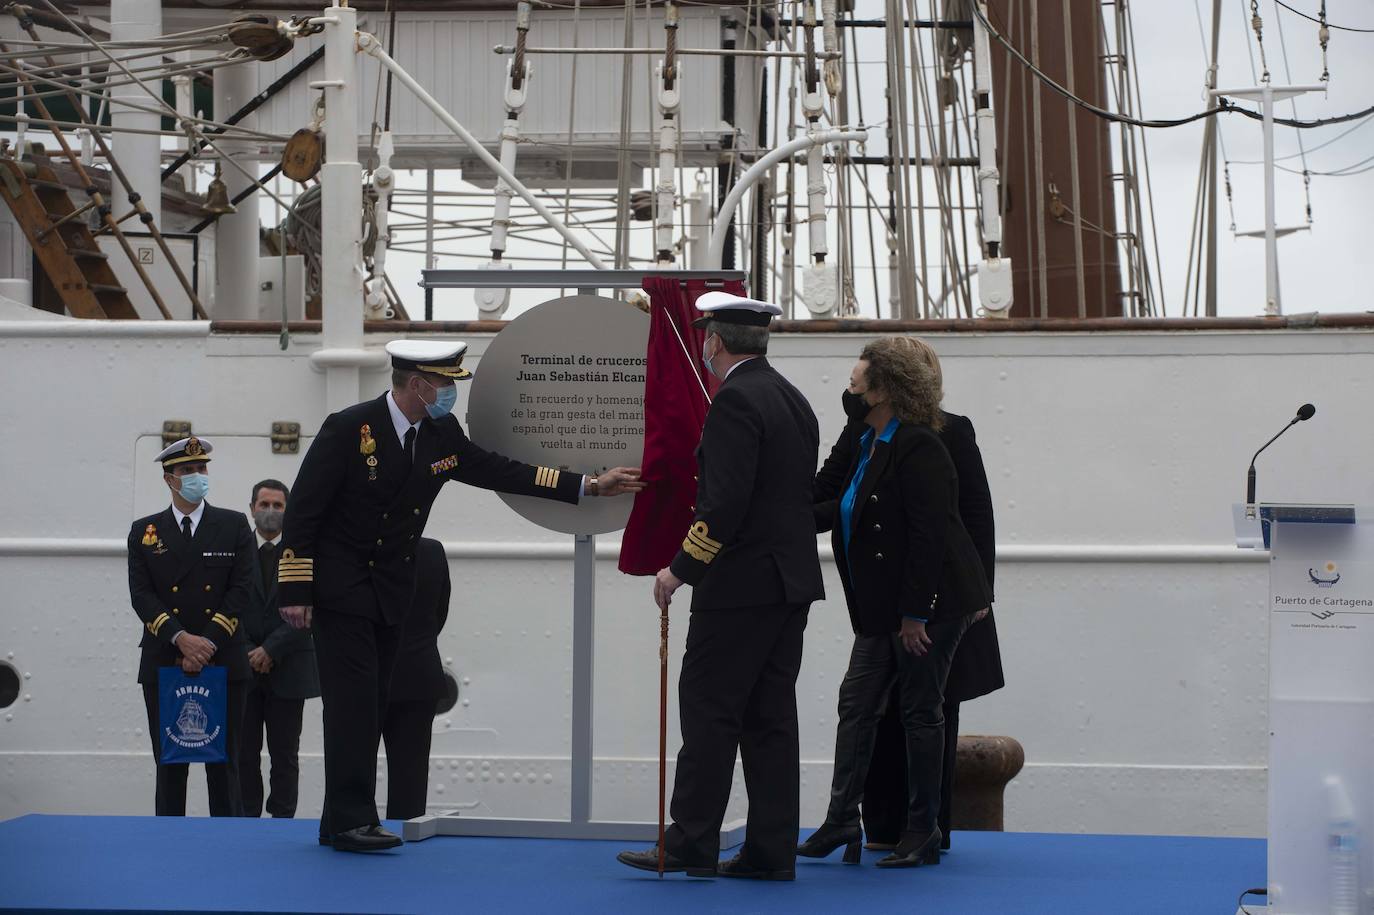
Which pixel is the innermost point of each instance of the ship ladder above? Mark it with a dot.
(78, 270)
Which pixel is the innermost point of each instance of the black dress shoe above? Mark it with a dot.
(830, 837)
(915, 849)
(648, 861)
(365, 838)
(738, 867)
(326, 840)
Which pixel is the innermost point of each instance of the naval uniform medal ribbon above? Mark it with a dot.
(366, 446)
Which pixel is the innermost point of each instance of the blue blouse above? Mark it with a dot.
(852, 493)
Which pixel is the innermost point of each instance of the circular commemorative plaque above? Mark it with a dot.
(562, 386)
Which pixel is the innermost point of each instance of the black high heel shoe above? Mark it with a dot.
(915, 849)
(830, 837)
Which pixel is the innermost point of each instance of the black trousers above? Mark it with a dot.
(281, 717)
(874, 664)
(737, 693)
(355, 657)
(407, 730)
(885, 798)
(221, 779)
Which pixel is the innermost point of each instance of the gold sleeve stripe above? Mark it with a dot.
(295, 577)
(156, 624)
(696, 552)
(694, 538)
(546, 477)
(702, 533)
(225, 623)
(296, 564)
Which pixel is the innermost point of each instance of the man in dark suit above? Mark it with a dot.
(284, 675)
(361, 500)
(190, 580)
(750, 556)
(416, 686)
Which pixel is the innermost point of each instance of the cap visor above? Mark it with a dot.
(701, 322)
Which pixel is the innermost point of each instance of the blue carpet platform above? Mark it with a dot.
(63, 863)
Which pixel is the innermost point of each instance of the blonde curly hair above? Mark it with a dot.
(898, 369)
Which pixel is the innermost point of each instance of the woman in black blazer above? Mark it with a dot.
(977, 667)
(912, 580)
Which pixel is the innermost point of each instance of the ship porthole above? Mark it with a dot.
(450, 697)
(9, 684)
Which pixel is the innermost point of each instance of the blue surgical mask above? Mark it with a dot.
(194, 486)
(705, 357)
(444, 399)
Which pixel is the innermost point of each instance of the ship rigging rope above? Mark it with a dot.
(1224, 106)
(1344, 172)
(66, 87)
(1340, 136)
(1293, 101)
(1329, 25)
(190, 124)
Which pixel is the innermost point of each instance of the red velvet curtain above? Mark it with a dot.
(674, 412)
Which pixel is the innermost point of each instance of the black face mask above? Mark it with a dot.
(855, 407)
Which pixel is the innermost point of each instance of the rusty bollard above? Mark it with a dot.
(984, 766)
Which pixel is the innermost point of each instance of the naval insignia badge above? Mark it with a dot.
(150, 535)
(368, 444)
(372, 466)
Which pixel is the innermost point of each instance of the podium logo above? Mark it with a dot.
(1323, 578)
(1324, 615)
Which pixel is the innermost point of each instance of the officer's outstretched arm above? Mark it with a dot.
(729, 459)
(479, 467)
(318, 483)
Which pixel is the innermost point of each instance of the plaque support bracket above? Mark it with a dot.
(579, 824)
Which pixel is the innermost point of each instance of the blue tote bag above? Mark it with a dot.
(192, 712)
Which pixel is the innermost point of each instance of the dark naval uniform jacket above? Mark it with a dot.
(359, 506)
(293, 674)
(753, 541)
(202, 587)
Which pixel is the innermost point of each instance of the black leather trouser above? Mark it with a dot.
(874, 663)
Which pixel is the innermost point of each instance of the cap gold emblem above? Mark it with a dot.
(193, 448)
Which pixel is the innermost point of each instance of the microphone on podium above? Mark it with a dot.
(1305, 412)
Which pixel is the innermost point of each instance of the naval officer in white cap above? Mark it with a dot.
(347, 566)
(191, 572)
(750, 557)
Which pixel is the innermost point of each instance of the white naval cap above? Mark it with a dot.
(437, 357)
(729, 308)
(185, 450)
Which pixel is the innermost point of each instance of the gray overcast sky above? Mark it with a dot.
(1318, 267)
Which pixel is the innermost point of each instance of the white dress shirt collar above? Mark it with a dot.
(399, 421)
(737, 365)
(261, 539)
(195, 515)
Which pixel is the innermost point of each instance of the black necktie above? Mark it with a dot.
(186, 526)
(267, 562)
(410, 444)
